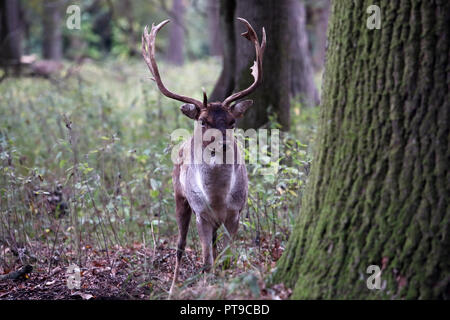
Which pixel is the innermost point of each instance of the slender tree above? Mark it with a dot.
(379, 185)
(10, 35)
(225, 84)
(301, 64)
(51, 31)
(318, 12)
(175, 54)
(215, 36)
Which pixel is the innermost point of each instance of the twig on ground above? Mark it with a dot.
(14, 275)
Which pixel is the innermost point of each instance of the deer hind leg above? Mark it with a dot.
(205, 232)
(214, 243)
(231, 226)
(183, 216)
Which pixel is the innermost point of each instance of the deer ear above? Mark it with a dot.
(190, 110)
(238, 109)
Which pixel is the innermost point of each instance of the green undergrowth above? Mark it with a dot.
(100, 141)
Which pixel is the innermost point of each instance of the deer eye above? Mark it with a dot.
(232, 123)
(203, 122)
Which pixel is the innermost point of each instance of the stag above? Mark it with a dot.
(215, 192)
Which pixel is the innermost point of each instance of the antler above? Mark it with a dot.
(250, 35)
(148, 53)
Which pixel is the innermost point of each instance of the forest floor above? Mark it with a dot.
(118, 275)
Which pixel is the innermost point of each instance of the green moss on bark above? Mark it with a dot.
(378, 190)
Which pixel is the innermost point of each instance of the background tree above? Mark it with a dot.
(225, 84)
(378, 190)
(285, 43)
(10, 35)
(215, 36)
(175, 54)
(301, 71)
(274, 91)
(51, 31)
(317, 13)
(102, 16)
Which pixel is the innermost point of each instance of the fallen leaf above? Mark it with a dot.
(56, 270)
(98, 263)
(84, 296)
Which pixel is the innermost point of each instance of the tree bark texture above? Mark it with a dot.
(379, 188)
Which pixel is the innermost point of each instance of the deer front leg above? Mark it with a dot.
(183, 216)
(205, 232)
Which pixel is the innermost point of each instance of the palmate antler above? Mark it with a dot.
(250, 35)
(148, 53)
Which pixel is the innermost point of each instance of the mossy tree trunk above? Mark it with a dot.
(379, 187)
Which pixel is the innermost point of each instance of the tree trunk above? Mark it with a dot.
(301, 69)
(215, 36)
(175, 53)
(10, 35)
(274, 91)
(284, 71)
(52, 26)
(379, 186)
(317, 23)
(225, 84)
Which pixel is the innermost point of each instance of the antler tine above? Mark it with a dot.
(205, 98)
(148, 53)
(256, 69)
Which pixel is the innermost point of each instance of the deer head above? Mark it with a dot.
(211, 115)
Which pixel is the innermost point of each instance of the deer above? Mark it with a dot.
(215, 192)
